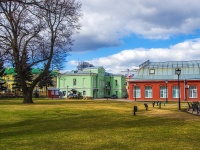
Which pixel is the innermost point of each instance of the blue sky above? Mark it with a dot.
(121, 34)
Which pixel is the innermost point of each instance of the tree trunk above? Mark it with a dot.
(28, 97)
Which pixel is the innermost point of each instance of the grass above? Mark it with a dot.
(77, 125)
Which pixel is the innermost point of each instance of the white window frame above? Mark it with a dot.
(163, 92)
(148, 92)
(192, 92)
(175, 92)
(152, 71)
(137, 91)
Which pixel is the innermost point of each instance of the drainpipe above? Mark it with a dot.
(185, 90)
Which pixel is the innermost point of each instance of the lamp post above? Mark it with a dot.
(135, 91)
(178, 72)
(67, 90)
(166, 90)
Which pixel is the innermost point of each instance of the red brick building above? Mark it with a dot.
(159, 81)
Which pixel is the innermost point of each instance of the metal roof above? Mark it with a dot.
(170, 64)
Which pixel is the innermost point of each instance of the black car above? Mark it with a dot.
(114, 96)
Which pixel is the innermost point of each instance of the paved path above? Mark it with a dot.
(193, 112)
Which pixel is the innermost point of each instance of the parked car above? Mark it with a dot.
(114, 96)
(72, 96)
(126, 96)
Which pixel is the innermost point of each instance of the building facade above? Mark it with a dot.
(8, 79)
(92, 82)
(160, 81)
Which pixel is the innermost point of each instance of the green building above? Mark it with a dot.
(92, 82)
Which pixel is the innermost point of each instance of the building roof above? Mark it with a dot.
(94, 67)
(170, 64)
(77, 72)
(36, 71)
(9, 71)
(190, 70)
(111, 74)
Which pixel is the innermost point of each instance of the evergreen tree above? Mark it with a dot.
(26, 71)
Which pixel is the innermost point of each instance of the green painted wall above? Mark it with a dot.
(91, 82)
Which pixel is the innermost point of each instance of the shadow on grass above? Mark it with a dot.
(83, 121)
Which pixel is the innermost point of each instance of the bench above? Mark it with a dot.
(146, 106)
(153, 103)
(194, 107)
(189, 106)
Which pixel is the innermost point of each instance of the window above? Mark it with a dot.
(116, 82)
(175, 92)
(74, 82)
(148, 92)
(136, 92)
(152, 71)
(163, 92)
(192, 92)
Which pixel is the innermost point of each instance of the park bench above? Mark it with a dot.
(189, 106)
(146, 106)
(195, 107)
(153, 103)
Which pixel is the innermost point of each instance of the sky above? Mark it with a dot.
(122, 34)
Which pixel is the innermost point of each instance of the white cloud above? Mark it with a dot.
(131, 59)
(105, 22)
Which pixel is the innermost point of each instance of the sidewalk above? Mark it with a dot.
(193, 112)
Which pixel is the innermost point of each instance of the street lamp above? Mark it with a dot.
(135, 91)
(166, 90)
(67, 90)
(178, 72)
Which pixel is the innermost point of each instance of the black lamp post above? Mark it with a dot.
(135, 91)
(178, 72)
(166, 90)
(67, 90)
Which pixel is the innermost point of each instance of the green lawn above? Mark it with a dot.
(98, 125)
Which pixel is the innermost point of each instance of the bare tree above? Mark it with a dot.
(37, 33)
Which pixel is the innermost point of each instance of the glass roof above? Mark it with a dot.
(171, 64)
